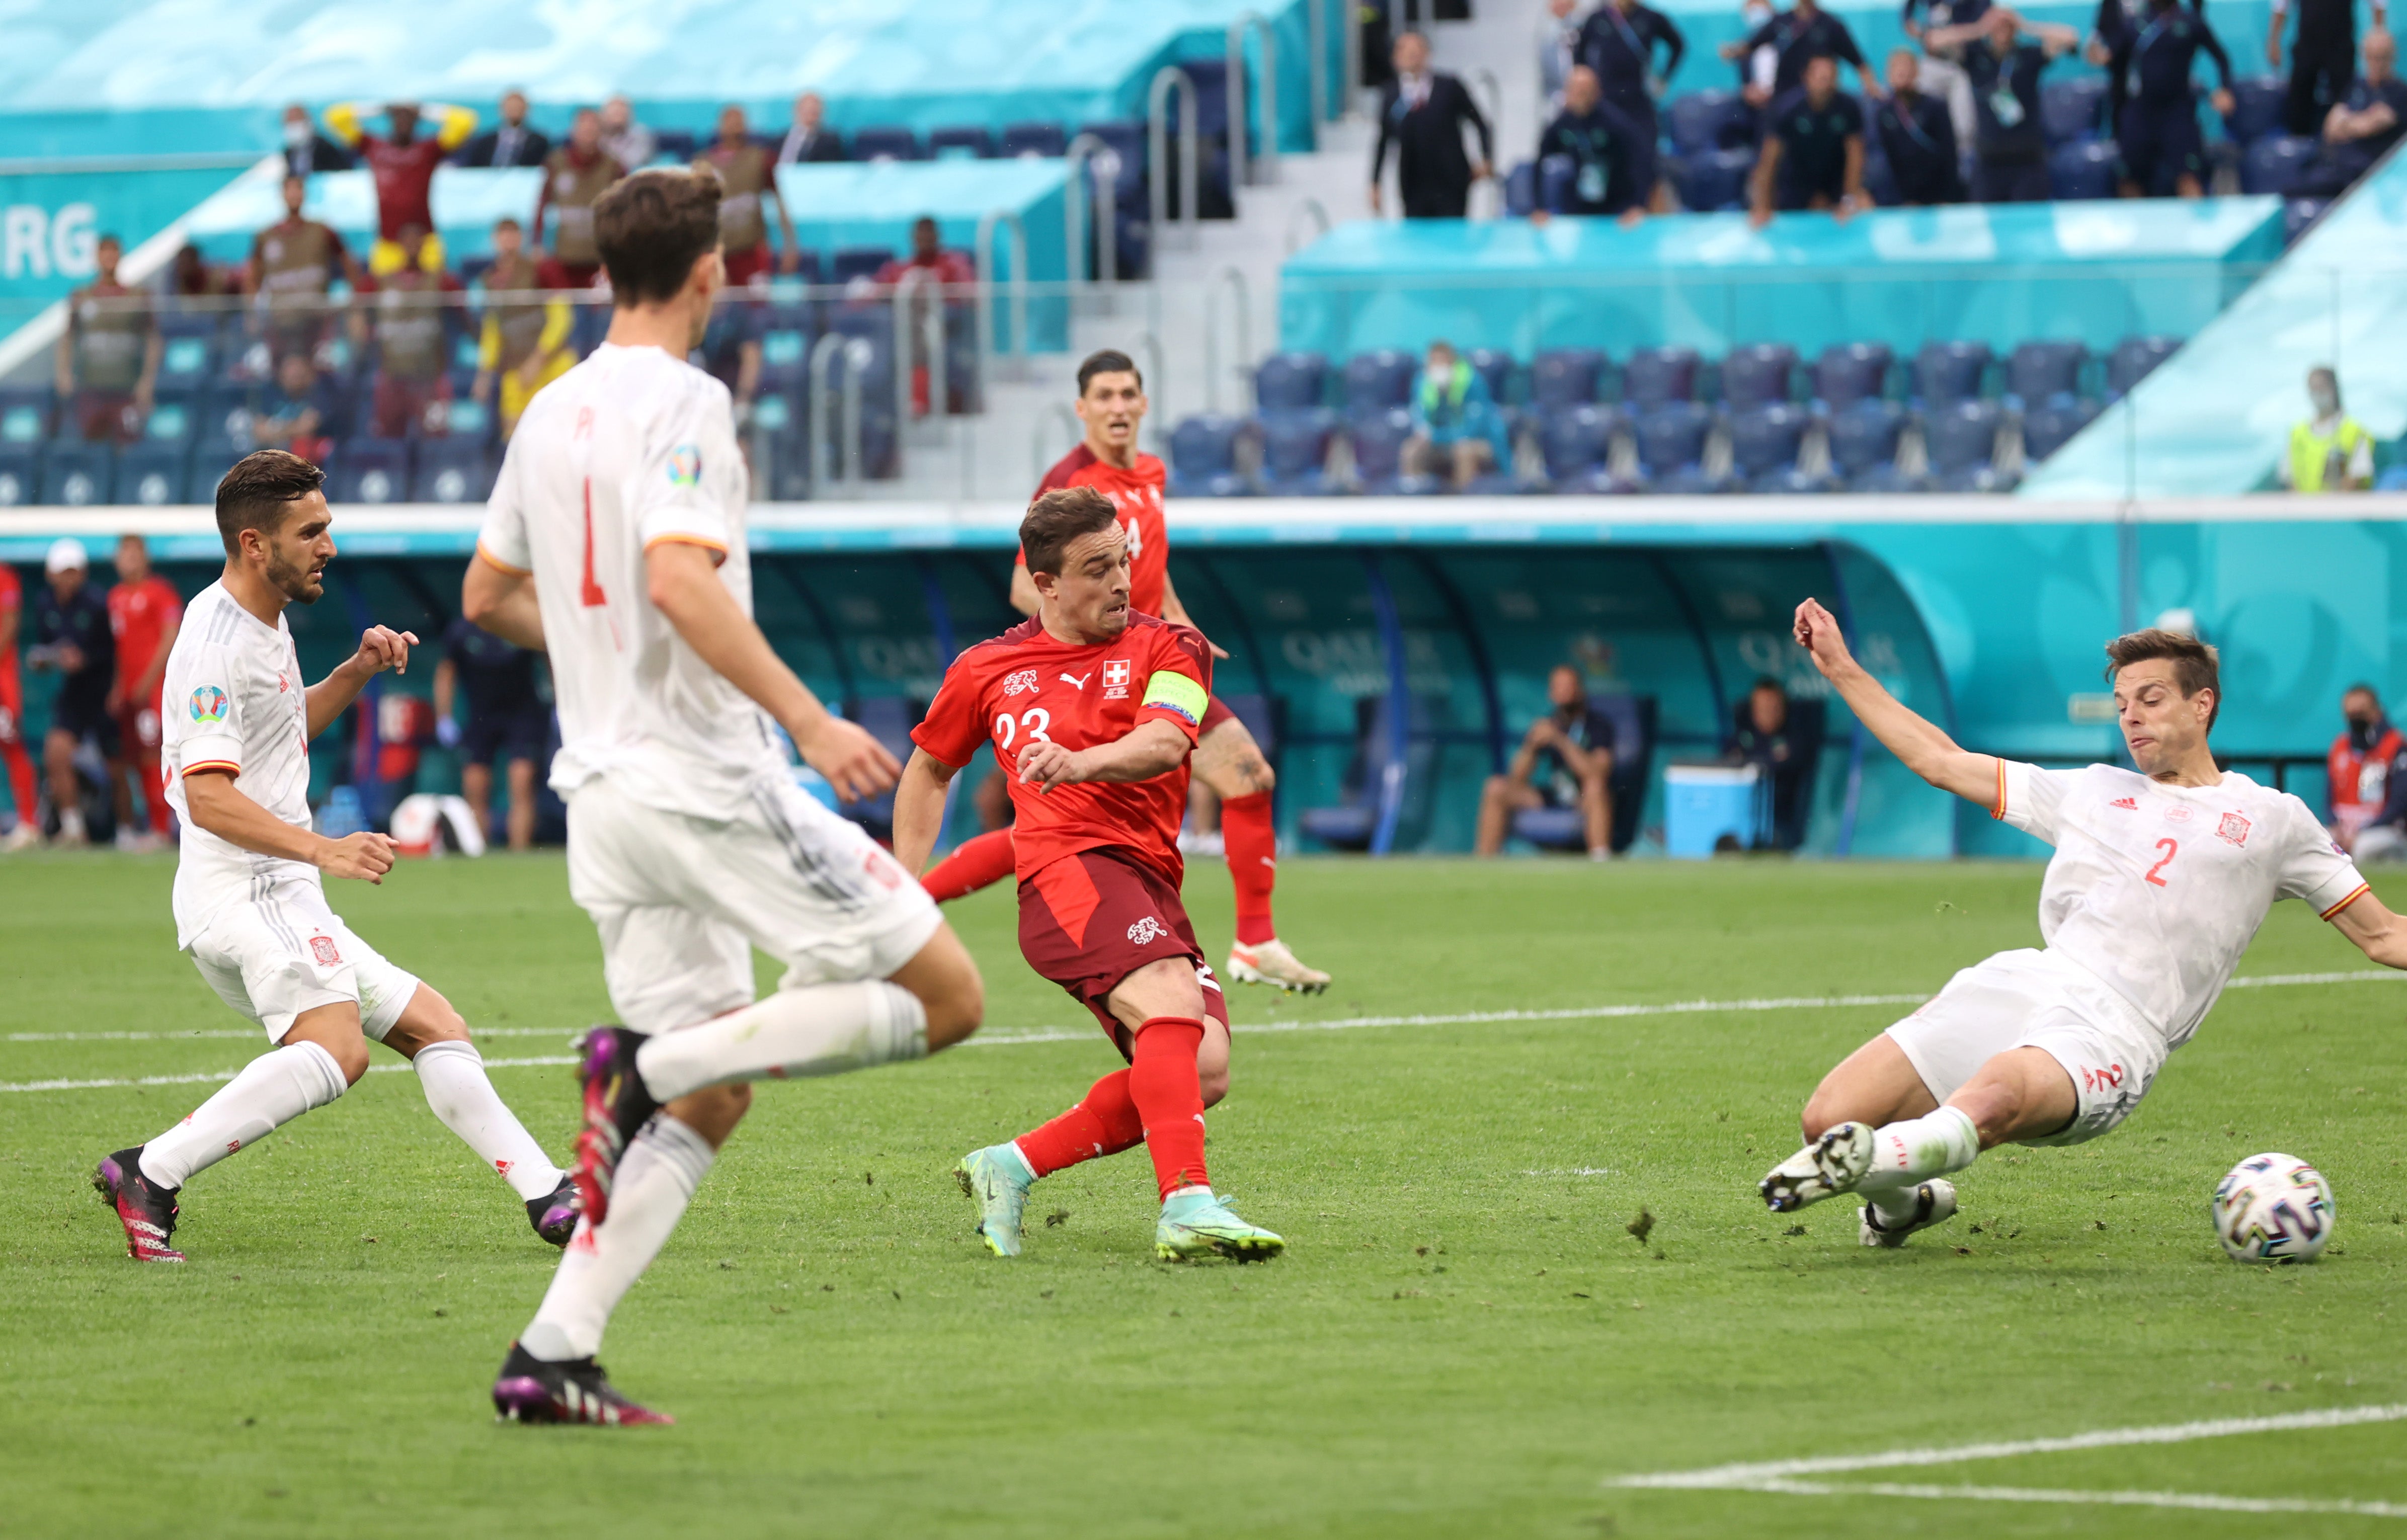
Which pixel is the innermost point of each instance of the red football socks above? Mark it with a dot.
(975, 862)
(1169, 1096)
(1104, 1123)
(20, 779)
(1250, 840)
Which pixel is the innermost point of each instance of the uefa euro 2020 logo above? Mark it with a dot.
(208, 704)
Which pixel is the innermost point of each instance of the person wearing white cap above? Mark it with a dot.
(71, 622)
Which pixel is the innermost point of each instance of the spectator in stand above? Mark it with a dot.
(402, 163)
(299, 412)
(512, 142)
(507, 721)
(1565, 761)
(1935, 75)
(1619, 42)
(810, 139)
(1812, 151)
(1601, 144)
(144, 614)
(2009, 143)
(730, 352)
(1769, 737)
(1422, 112)
(2163, 155)
(71, 626)
(407, 305)
(574, 176)
(2361, 127)
(27, 831)
(305, 150)
(1456, 431)
(749, 175)
(2329, 452)
(192, 277)
(943, 267)
(523, 343)
(1918, 136)
(1559, 49)
(106, 360)
(627, 142)
(2366, 774)
(2321, 61)
(1796, 37)
(291, 266)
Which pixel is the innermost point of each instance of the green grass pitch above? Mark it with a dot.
(1464, 1339)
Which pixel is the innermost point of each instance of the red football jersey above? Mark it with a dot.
(139, 615)
(1137, 493)
(1025, 685)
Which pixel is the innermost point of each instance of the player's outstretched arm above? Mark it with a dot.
(1925, 749)
(501, 602)
(920, 809)
(2378, 933)
(219, 806)
(1151, 748)
(380, 648)
(683, 583)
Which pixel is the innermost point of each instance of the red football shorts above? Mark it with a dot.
(1088, 921)
(12, 703)
(1214, 714)
(744, 265)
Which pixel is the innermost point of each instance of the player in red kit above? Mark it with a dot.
(144, 613)
(1093, 708)
(1112, 404)
(28, 830)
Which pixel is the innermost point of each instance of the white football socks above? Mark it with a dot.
(656, 1179)
(818, 1029)
(1907, 1154)
(272, 1089)
(453, 1075)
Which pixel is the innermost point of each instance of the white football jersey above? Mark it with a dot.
(232, 696)
(630, 449)
(2157, 889)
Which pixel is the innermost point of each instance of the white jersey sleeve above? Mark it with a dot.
(2313, 868)
(667, 498)
(201, 704)
(2033, 799)
(503, 539)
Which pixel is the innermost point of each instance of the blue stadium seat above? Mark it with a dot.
(1863, 444)
(1561, 377)
(1521, 191)
(26, 413)
(2274, 164)
(1289, 382)
(1849, 372)
(2299, 216)
(1671, 447)
(1961, 438)
(77, 475)
(1379, 379)
(1558, 183)
(678, 145)
(779, 421)
(2084, 169)
(1712, 179)
(2257, 107)
(2134, 359)
(884, 142)
(2041, 371)
(2046, 428)
(1353, 823)
(1295, 451)
(785, 348)
(1949, 371)
(188, 355)
(1764, 441)
(1655, 375)
(20, 473)
(1758, 375)
(369, 470)
(2073, 109)
(1045, 141)
(154, 474)
(458, 469)
(1127, 141)
(1497, 368)
(847, 262)
(961, 140)
(1702, 120)
(1576, 442)
(1203, 457)
(1378, 439)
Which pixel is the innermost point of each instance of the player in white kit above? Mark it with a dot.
(2160, 878)
(250, 905)
(615, 540)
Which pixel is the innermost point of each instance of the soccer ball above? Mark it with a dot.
(2273, 1208)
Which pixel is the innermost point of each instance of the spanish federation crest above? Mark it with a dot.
(2234, 828)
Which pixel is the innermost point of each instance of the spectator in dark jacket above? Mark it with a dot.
(1600, 144)
(1784, 749)
(1812, 151)
(1422, 113)
(810, 138)
(305, 150)
(1918, 137)
(513, 141)
(1618, 41)
(1796, 37)
(2163, 153)
(2010, 147)
(2361, 127)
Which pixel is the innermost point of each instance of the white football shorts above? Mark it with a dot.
(2036, 1000)
(681, 901)
(279, 950)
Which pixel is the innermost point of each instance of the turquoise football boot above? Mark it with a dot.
(1201, 1224)
(997, 1179)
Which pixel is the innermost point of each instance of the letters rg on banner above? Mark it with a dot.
(35, 243)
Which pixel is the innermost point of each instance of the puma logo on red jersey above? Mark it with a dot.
(1076, 681)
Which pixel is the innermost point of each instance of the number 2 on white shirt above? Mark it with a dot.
(2170, 848)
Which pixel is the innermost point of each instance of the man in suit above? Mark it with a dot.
(1422, 113)
(809, 140)
(305, 150)
(513, 141)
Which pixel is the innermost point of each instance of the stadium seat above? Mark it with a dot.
(20, 473)
(188, 358)
(1945, 372)
(2073, 109)
(1576, 442)
(1961, 438)
(1712, 179)
(1521, 191)
(1657, 375)
(1634, 751)
(1702, 120)
(884, 142)
(2084, 169)
(455, 470)
(25, 414)
(1295, 451)
(1129, 143)
(1758, 375)
(1378, 439)
(2257, 107)
(1203, 457)
(2299, 216)
(1863, 444)
(1563, 377)
(369, 470)
(1849, 372)
(77, 475)
(153, 473)
(1042, 141)
(1498, 369)
(2134, 359)
(2046, 427)
(962, 140)
(675, 144)
(2040, 371)
(1353, 823)
(1764, 441)
(785, 348)
(1558, 183)
(1376, 380)
(847, 262)
(1671, 447)
(1289, 382)
(2274, 164)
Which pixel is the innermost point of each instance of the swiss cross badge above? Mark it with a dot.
(2234, 828)
(1116, 673)
(322, 949)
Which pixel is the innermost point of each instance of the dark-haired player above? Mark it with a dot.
(1093, 708)
(250, 901)
(1112, 404)
(2162, 876)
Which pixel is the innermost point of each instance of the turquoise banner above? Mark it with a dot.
(51, 221)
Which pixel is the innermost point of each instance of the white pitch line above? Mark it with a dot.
(2213, 1502)
(216, 1074)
